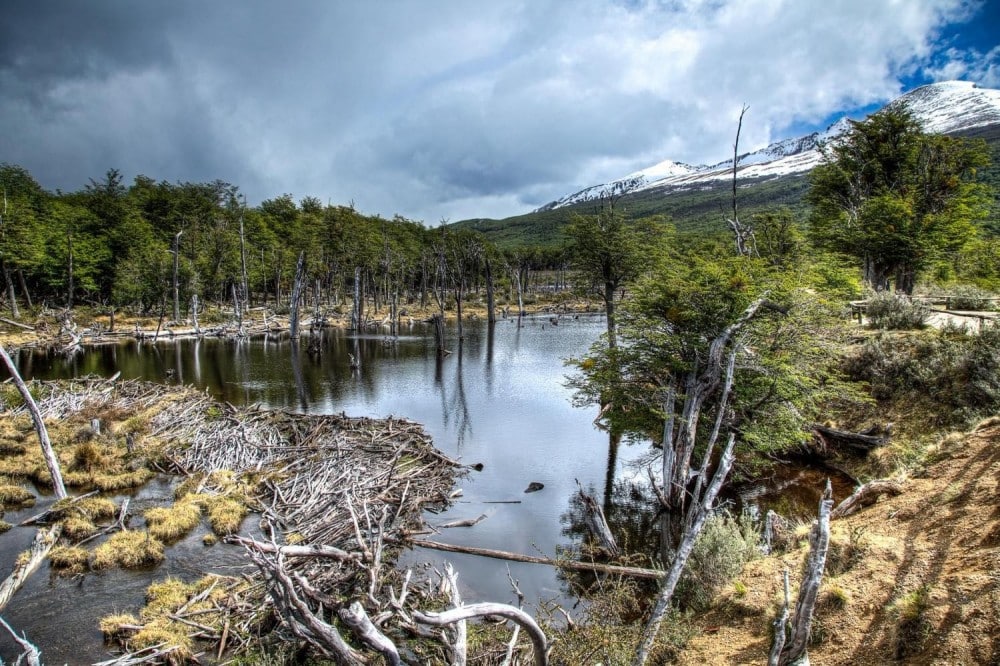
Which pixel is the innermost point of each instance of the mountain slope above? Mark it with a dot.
(773, 176)
(942, 108)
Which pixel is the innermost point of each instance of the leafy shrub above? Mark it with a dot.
(956, 374)
(968, 297)
(723, 547)
(898, 313)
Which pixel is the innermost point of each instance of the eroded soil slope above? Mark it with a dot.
(913, 579)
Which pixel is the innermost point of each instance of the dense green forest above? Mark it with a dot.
(114, 245)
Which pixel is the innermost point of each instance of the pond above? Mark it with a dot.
(498, 400)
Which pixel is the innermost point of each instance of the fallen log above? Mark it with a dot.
(634, 572)
(466, 522)
(866, 495)
(17, 324)
(45, 539)
(863, 441)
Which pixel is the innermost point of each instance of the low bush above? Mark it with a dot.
(955, 375)
(969, 297)
(725, 544)
(888, 311)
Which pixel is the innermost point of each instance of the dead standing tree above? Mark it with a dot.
(789, 646)
(746, 243)
(710, 385)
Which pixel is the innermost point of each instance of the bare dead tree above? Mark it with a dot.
(244, 283)
(177, 258)
(746, 243)
(794, 650)
(297, 295)
(712, 384)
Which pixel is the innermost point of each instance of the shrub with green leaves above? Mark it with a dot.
(725, 544)
(956, 374)
(898, 313)
(969, 297)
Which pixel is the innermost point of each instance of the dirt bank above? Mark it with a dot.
(913, 579)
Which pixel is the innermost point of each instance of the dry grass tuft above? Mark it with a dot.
(226, 514)
(172, 523)
(118, 625)
(77, 528)
(12, 494)
(69, 560)
(129, 549)
(165, 633)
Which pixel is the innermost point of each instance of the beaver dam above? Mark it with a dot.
(335, 496)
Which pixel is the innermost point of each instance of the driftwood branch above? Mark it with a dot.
(357, 620)
(43, 434)
(293, 550)
(45, 539)
(31, 655)
(511, 613)
(866, 495)
(635, 572)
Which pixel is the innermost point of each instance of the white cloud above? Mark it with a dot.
(451, 110)
(969, 65)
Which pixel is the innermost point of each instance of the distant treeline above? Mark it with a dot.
(153, 243)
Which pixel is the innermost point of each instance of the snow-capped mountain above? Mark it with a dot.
(947, 107)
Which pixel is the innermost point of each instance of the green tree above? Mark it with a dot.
(897, 198)
(608, 251)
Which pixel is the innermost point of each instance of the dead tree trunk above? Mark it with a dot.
(356, 307)
(597, 525)
(669, 582)
(711, 385)
(51, 461)
(177, 290)
(244, 283)
(491, 308)
(194, 313)
(296, 296)
(794, 651)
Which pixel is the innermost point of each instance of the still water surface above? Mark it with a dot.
(499, 399)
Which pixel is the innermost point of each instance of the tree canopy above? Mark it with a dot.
(896, 197)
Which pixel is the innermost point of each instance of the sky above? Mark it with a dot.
(451, 109)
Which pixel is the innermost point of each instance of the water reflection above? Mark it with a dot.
(499, 400)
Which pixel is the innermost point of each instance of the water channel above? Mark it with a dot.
(499, 399)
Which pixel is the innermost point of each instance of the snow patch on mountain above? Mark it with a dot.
(943, 108)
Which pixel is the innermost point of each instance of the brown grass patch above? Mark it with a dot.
(69, 560)
(171, 523)
(129, 549)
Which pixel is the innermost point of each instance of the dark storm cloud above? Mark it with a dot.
(432, 110)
